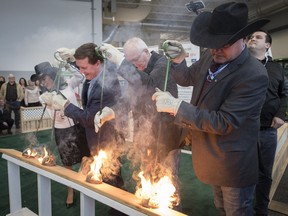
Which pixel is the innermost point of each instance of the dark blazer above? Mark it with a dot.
(111, 93)
(276, 100)
(141, 87)
(224, 119)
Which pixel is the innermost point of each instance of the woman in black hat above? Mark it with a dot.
(71, 144)
(229, 87)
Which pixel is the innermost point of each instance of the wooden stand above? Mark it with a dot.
(280, 164)
(105, 193)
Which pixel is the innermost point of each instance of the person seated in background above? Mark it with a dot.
(32, 93)
(6, 122)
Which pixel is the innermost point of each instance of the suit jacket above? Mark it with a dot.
(141, 86)
(111, 93)
(224, 119)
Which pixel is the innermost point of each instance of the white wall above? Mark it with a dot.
(280, 44)
(32, 30)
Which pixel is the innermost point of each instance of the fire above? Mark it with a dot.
(29, 153)
(94, 175)
(48, 160)
(157, 195)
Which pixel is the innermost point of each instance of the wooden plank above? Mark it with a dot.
(281, 159)
(106, 190)
(280, 164)
(279, 207)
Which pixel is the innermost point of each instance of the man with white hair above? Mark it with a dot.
(156, 138)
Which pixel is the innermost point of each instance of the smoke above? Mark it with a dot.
(32, 142)
(142, 151)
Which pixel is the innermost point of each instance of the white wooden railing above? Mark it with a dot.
(104, 193)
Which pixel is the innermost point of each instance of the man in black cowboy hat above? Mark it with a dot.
(223, 117)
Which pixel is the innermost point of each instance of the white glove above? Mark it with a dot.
(107, 114)
(59, 102)
(46, 98)
(66, 54)
(174, 50)
(112, 54)
(165, 102)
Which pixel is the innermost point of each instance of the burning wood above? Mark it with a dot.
(29, 153)
(160, 194)
(47, 159)
(85, 165)
(94, 176)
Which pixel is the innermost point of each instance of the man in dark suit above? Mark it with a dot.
(224, 113)
(99, 95)
(6, 122)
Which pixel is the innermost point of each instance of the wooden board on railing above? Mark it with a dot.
(279, 167)
(106, 190)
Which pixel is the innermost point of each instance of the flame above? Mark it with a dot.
(47, 159)
(94, 175)
(29, 153)
(157, 195)
(41, 158)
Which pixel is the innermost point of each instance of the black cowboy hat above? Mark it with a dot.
(44, 69)
(226, 24)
